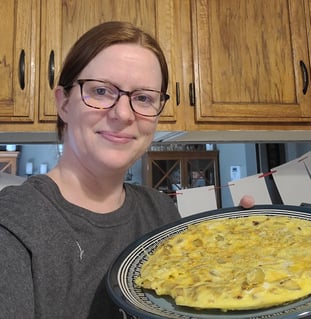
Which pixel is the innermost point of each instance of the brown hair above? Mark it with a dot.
(97, 39)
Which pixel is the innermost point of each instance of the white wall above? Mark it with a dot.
(230, 154)
(37, 154)
(243, 155)
(294, 150)
(49, 154)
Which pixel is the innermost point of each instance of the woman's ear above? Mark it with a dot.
(61, 100)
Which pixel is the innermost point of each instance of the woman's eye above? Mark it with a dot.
(144, 99)
(100, 91)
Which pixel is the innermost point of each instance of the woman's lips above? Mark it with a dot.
(120, 138)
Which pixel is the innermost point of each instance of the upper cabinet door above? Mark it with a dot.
(251, 61)
(50, 57)
(19, 25)
(165, 33)
(63, 22)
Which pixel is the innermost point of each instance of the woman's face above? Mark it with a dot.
(115, 138)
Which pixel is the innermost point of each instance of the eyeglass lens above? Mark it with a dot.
(104, 95)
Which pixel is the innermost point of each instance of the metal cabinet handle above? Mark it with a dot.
(21, 68)
(177, 93)
(51, 70)
(191, 94)
(305, 77)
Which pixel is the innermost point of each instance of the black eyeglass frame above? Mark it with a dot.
(121, 92)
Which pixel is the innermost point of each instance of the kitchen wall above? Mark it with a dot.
(231, 154)
(237, 154)
(49, 154)
(38, 154)
(245, 156)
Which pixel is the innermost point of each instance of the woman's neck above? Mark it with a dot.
(102, 194)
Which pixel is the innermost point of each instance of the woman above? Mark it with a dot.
(60, 232)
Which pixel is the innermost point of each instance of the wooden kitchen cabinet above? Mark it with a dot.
(39, 35)
(251, 64)
(168, 171)
(8, 162)
(308, 27)
(154, 16)
(29, 49)
(18, 51)
(238, 65)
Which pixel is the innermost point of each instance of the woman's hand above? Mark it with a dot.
(247, 201)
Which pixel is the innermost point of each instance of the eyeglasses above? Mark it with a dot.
(104, 95)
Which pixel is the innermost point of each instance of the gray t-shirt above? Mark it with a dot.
(54, 255)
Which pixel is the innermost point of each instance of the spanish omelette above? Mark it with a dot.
(241, 263)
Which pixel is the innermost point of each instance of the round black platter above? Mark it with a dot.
(143, 304)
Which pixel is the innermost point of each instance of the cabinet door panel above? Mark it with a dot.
(308, 25)
(169, 171)
(76, 17)
(51, 58)
(201, 172)
(18, 94)
(166, 174)
(247, 60)
(165, 33)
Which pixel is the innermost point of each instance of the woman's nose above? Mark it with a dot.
(123, 109)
